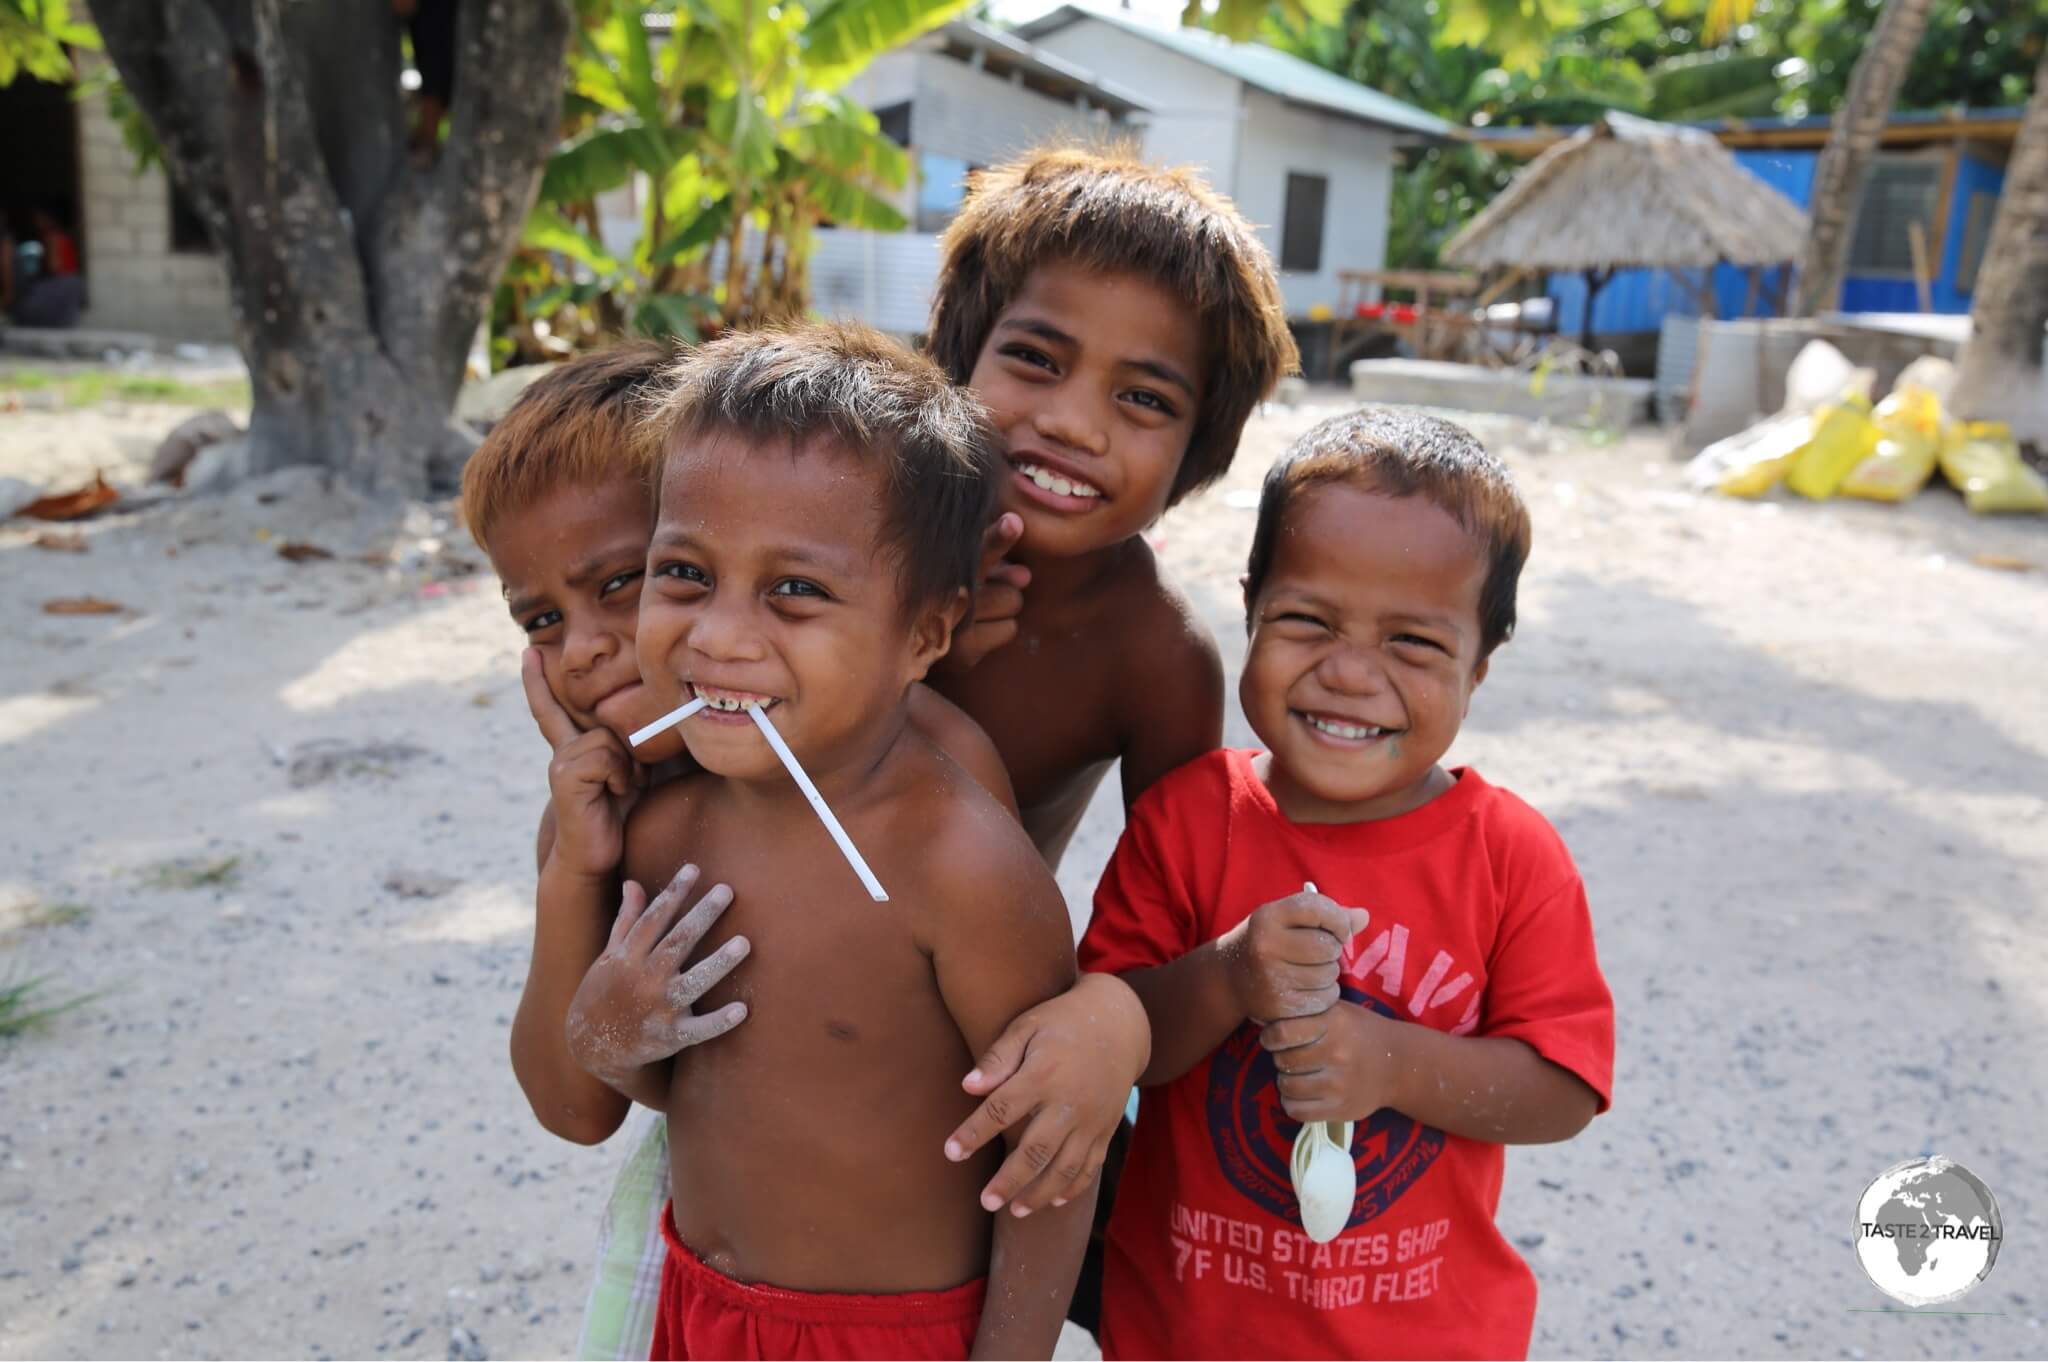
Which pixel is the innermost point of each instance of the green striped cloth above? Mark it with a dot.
(618, 1322)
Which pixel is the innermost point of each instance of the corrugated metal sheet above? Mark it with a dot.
(1637, 300)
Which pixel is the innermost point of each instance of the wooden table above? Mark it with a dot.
(1435, 333)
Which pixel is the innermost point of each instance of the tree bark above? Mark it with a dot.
(1999, 376)
(356, 279)
(1844, 166)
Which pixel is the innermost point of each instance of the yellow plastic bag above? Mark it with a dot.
(1909, 425)
(1754, 462)
(1984, 465)
(1843, 436)
(1910, 410)
(1896, 471)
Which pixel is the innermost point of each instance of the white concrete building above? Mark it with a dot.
(1307, 155)
(967, 95)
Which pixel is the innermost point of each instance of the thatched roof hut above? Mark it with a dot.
(1628, 193)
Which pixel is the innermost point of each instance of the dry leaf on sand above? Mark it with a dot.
(296, 552)
(82, 605)
(72, 505)
(60, 543)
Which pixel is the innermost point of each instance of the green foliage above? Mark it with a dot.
(725, 116)
(1977, 53)
(33, 38)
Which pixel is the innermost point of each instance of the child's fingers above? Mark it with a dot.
(632, 903)
(696, 981)
(696, 1030)
(1064, 1176)
(1031, 1154)
(1009, 574)
(681, 939)
(1006, 1106)
(662, 913)
(1002, 1058)
(1360, 920)
(554, 721)
(997, 602)
(978, 640)
(1292, 1033)
(999, 539)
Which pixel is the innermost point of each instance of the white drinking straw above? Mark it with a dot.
(803, 782)
(666, 721)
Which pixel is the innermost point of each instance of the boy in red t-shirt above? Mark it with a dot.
(1457, 1008)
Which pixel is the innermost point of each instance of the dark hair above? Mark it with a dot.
(932, 442)
(1111, 212)
(578, 423)
(1403, 454)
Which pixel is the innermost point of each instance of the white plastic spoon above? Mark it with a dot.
(1325, 1179)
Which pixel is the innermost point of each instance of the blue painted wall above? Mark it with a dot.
(1638, 300)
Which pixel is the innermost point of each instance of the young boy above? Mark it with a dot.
(1470, 1014)
(1120, 321)
(560, 495)
(822, 506)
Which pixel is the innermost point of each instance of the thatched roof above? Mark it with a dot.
(1627, 193)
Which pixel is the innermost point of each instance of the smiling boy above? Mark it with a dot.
(1120, 321)
(1468, 1015)
(820, 519)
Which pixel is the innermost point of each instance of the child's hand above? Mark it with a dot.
(1283, 959)
(592, 779)
(999, 601)
(634, 1008)
(1335, 1066)
(1066, 1067)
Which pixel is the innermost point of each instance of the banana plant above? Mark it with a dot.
(34, 36)
(728, 115)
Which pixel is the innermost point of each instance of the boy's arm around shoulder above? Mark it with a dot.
(1170, 689)
(995, 926)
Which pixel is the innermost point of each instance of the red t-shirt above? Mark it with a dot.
(63, 254)
(1479, 926)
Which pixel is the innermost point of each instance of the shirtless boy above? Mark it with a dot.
(821, 511)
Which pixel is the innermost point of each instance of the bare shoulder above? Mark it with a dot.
(1169, 678)
(953, 731)
(972, 866)
(1161, 636)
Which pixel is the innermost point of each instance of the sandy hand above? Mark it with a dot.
(592, 779)
(1284, 959)
(636, 1005)
(999, 601)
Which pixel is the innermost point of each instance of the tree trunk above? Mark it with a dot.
(1844, 166)
(356, 279)
(2000, 375)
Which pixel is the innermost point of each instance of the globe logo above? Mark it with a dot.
(1927, 1231)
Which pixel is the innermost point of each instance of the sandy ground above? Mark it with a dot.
(1800, 752)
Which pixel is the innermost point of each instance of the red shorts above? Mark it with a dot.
(705, 1314)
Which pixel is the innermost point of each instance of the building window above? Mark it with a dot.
(895, 121)
(941, 188)
(1976, 235)
(1899, 193)
(1301, 225)
(188, 232)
